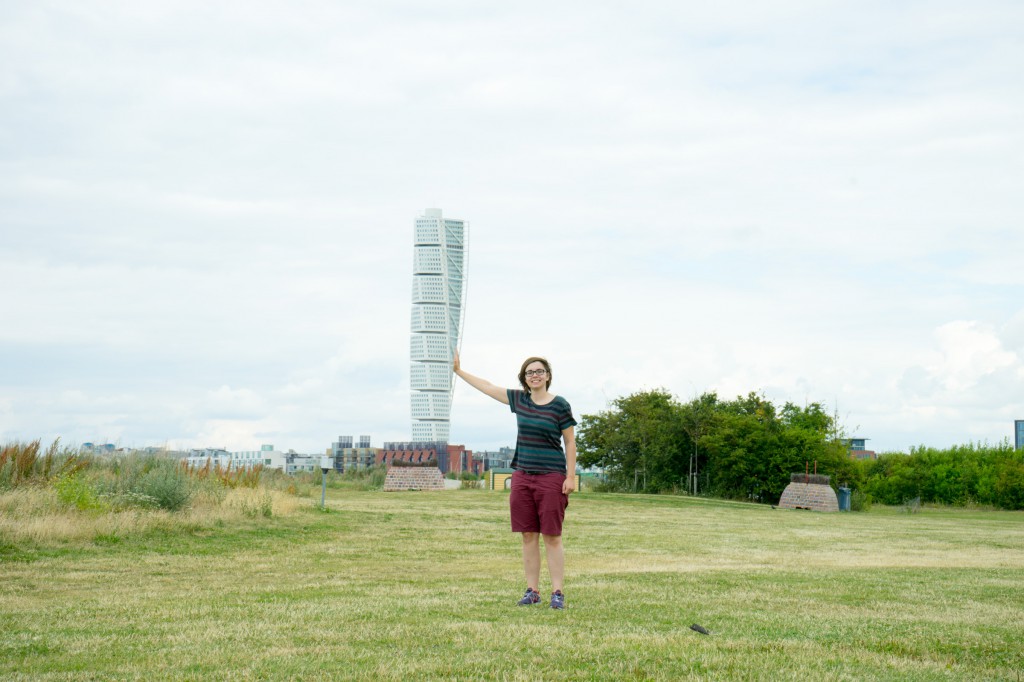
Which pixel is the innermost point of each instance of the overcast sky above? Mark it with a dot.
(207, 209)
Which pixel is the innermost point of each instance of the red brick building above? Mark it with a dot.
(449, 458)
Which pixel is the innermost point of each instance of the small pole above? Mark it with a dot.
(326, 462)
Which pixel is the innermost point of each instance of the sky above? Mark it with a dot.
(207, 210)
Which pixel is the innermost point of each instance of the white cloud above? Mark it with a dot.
(205, 208)
(226, 402)
(971, 352)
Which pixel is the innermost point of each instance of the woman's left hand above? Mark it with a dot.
(568, 485)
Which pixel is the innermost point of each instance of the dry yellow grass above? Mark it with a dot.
(254, 501)
(34, 514)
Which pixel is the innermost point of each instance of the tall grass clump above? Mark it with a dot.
(145, 481)
(229, 477)
(22, 464)
(57, 496)
(260, 502)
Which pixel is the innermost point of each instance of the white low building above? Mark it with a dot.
(215, 456)
(266, 455)
(289, 462)
(295, 463)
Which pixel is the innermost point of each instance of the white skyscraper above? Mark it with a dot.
(438, 296)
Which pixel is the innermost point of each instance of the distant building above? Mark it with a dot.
(858, 449)
(417, 452)
(94, 449)
(449, 458)
(502, 459)
(461, 460)
(349, 457)
(197, 457)
(289, 462)
(266, 455)
(1018, 434)
(111, 450)
(295, 463)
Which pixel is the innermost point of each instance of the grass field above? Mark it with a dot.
(422, 586)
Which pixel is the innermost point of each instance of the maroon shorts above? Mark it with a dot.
(537, 503)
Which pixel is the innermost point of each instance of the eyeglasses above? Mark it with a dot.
(536, 372)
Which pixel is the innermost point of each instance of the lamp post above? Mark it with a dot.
(326, 463)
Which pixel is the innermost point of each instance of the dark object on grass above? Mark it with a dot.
(698, 628)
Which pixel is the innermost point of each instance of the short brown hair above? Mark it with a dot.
(528, 362)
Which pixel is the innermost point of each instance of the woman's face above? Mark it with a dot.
(536, 375)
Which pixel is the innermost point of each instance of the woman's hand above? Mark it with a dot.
(456, 366)
(568, 485)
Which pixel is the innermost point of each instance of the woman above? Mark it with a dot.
(540, 484)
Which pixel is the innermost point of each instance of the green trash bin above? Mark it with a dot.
(844, 499)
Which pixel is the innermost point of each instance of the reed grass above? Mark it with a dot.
(26, 464)
(228, 476)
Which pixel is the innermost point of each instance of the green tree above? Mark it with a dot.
(743, 448)
(640, 442)
(698, 419)
(813, 436)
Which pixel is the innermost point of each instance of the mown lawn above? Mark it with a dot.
(423, 585)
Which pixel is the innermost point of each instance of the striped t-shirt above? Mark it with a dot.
(539, 443)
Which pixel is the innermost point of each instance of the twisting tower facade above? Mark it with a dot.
(438, 299)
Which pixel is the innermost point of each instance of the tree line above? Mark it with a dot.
(747, 448)
(975, 473)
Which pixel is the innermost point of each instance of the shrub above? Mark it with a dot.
(1009, 485)
(168, 485)
(147, 482)
(860, 501)
(975, 473)
(463, 476)
(74, 491)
